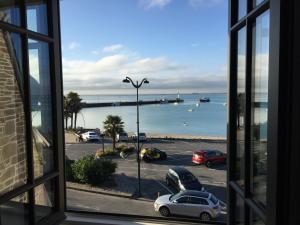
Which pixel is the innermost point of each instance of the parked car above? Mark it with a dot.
(209, 157)
(122, 137)
(90, 136)
(181, 179)
(199, 204)
(142, 137)
(150, 154)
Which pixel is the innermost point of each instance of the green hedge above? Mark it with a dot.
(89, 170)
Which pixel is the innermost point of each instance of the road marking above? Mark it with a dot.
(164, 186)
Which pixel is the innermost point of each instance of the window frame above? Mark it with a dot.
(57, 174)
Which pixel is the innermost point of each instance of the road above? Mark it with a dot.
(152, 175)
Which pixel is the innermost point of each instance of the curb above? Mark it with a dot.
(110, 194)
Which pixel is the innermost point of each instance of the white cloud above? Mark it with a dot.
(106, 74)
(113, 48)
(204, 3)
(73, 45)
(148, 4)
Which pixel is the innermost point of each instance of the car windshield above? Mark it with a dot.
(173, 197)
(188, 177)
(214, 199)
(142, 134)
(92, 133)
(123, 134)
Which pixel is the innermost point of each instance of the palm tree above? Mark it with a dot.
(74, 102)
(67, 111)
(112, 126)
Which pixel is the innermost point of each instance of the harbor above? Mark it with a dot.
(131, 103)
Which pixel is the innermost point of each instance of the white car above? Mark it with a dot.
(199, 204)
(142, 137)
(122, 136)
(90, 136)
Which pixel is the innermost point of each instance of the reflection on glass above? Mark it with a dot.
(257, 2)
(10, 11)
(242, 11)
(239, 210)
(255, 220)
(259, 106)
(37, 16)
(41, 107)
(15, 211)
(13, 172)
(44, 200)
(241, 81)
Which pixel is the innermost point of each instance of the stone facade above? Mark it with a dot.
(13, 168)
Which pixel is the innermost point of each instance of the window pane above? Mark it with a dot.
(255, 220)
(242, 8)
(41, 107)
(10, 11)
(16, 211)
(44, 200)
(241, 82)
(257, 2)
(259, 112)
(37, 16)
(13, 164)
(239, 210)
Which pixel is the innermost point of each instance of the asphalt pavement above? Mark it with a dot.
(152, 175)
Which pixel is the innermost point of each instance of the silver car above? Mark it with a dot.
(199, 204)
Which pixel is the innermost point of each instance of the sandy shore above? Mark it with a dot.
(71, 138)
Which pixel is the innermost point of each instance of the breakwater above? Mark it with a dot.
(130, 103)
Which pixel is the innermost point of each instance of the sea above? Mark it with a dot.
(189, 118)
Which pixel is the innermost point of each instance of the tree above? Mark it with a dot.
(74, 102)
(112, 126)
(67, 111)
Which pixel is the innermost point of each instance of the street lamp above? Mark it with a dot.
(137, 85)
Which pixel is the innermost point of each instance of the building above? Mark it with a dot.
(264, 109)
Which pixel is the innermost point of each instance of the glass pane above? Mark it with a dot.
(242, 8)
(37, 16)
(259, 111)
(255, 220)
(41, 107)
(16, 211)
(241, 82)
(239, 210)
(257, 2)
(13, 163)
(44, 200)
(10, 11)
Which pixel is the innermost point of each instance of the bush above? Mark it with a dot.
(68, 168)
(128, 150)
(107, 152)
(90, 170)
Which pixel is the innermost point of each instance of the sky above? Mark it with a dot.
(179, 45)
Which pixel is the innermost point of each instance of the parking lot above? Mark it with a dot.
(153, 174)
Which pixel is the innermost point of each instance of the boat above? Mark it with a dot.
(164, 101)
(190, 110)
(204, 99)
(197, 104)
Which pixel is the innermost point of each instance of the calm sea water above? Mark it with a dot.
(208, 119)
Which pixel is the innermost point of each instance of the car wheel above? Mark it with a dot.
(164, 211)
(205, 216)
(208, 164)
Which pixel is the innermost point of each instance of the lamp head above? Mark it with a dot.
(126, 81)
(146, 81)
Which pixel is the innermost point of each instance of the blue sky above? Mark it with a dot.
(176, 44)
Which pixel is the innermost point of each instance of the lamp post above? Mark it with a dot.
(137, 85)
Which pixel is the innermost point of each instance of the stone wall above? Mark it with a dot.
(13, 168)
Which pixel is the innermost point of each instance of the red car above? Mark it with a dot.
(208, 157)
